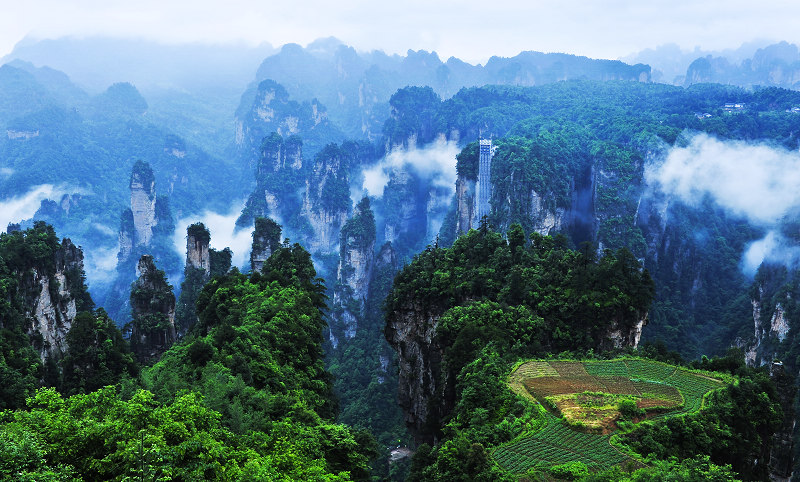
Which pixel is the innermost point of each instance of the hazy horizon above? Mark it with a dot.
(469, 31)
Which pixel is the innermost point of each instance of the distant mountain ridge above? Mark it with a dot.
(97, 62)
(756, 63)
(356, 86)
(198, 85)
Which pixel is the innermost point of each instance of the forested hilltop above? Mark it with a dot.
(465, 320)
(244, 396)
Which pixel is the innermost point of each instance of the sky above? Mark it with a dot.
(468, 29)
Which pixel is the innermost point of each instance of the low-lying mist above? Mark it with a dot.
(100, 265)
(756, 181)
(435, 162)
(224, 234)
(24, 206)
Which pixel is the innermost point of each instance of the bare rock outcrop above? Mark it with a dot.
(53, 306)
(326, 201)
(354, 272)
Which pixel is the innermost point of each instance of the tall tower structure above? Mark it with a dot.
(484, 182)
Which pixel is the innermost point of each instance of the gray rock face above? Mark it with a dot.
(126, 236)
(622, 338)
(354, 272)
(277, 159)
(325, 227)
(136, 227)
(544, 219)
(272, 111)
(53, 310)
(143, 206)
(325, 217)
(197, 255)
(769, 326)
(412, 334)
(465, 204)
(411, 331)
(266, 239)
(409, 212)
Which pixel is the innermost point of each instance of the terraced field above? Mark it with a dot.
(555, 444)
(589, 396)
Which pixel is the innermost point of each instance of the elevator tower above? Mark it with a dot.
(484, 182)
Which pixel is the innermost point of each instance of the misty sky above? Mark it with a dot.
(468, 29)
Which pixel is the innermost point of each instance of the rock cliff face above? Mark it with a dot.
(53, 306)
(279, 173)
(622, 337)
(326, 201)
(279, 153)
(202, 263)
(421, 385)
(406, 208)
(772, 297)
(268, 109)
(146, 228)
(385, 267)
(143, 203)
(153, 312)
(546, 221)
(354, 272)
(465, 204)
(437, 206)
(770, 320)
(197, 242)
(542, 217)
(266, 239)
(426, 390)
(127, 235)
(140, 223)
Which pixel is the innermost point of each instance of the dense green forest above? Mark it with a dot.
(244, 396)
(491, 301)
(578, 151)
(276, 373)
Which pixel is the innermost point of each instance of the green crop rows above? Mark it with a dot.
(558, 443)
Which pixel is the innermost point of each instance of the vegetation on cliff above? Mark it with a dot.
(575, 295)
(471, 311)
(244, 397)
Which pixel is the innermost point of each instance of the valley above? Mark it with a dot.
(321, 284)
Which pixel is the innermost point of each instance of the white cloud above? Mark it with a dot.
(375, 179)
(436, 162)
(20, 208)
(100, 264)
(756, 181)
(773, 248)
(105, 229)
(224, 234)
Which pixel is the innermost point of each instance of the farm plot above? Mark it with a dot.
(693, 387)
(589, 397)
(556, 444)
